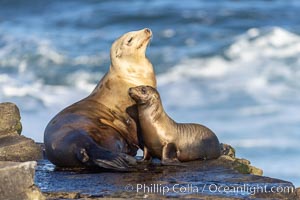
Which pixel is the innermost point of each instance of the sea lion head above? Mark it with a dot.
(144, 94)
(130, 47)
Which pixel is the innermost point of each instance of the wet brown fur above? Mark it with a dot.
(166, 139)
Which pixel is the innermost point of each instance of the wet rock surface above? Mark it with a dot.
(214, 179)
(17, 181)
(13, 146)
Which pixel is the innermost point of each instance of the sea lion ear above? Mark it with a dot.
(118, 53)
(156, 96)
(144, 90)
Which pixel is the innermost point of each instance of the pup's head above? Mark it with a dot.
(144, 94)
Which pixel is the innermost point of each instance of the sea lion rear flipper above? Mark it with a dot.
(169, 155)
(119, 162)
(116, 164)
(106, 159)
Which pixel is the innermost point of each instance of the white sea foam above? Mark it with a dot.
(37, 50)
(263, 64)
(38, 103)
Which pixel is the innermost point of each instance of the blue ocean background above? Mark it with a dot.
(233, 66)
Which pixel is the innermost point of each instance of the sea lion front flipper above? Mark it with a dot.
(169, 155)
(99, 157)
(147, 158)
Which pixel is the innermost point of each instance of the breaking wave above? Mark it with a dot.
(262, 65)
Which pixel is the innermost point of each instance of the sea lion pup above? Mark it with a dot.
(101, 129)
(164, 138)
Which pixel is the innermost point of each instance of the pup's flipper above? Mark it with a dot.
(169, 155)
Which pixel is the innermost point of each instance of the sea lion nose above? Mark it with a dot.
(147, 30)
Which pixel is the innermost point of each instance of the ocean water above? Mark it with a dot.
(233, 66)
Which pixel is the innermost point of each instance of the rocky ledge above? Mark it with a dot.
(17, 181)
(227, 177)
(13, 146)
(211, 179)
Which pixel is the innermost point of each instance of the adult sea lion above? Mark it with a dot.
(164, 138)
(101, 129)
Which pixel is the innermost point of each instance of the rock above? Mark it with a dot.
(227, 149)
(14, 147)
(241, 165)
(10, 119)
(298, 192)
(17, 181)
(209, 179)
(256, 171)
(19, 148)
(64, 195)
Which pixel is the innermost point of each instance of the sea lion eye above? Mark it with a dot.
(144, 90)
(129, 40)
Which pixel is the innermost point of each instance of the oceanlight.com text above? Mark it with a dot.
(250, 189)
